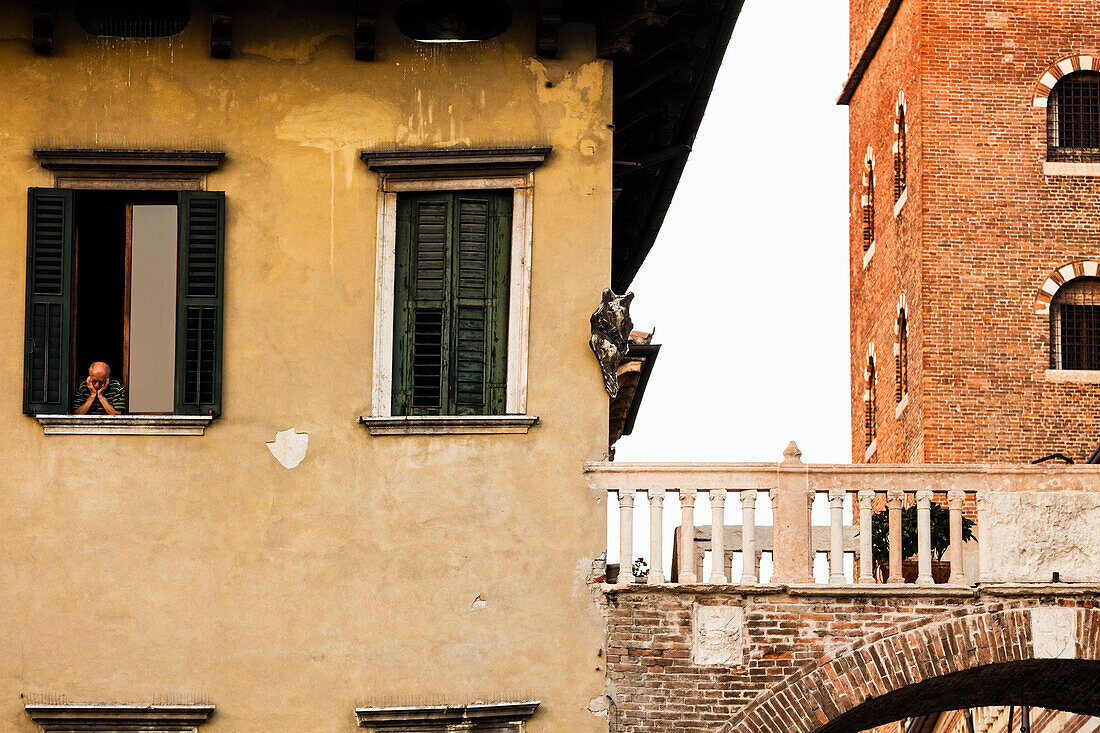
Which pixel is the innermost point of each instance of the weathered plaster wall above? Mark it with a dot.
(143, 569)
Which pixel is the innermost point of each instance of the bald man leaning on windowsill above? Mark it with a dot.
(99, 394)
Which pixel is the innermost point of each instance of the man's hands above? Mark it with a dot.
(96, 393)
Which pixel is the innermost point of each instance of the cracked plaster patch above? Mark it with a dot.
(289, 447)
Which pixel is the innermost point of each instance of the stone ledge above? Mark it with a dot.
(1067, 168)
(443, 717)
(889, 590)
(67, 718)
(449, 424)
(892, 590)
(124, 424)
(1072, 376)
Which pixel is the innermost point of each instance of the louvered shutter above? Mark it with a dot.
(46, 365)
(422, 290)
(451, 304)
(478, 377)
(199, 302)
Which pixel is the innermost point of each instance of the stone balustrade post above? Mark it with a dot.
(924, 537)
(718, 537)
(791, 498)
(836, 536)
(955, 506)
(656, 535)
(866, 559)
(748, 538)
(686, 570)
(626, 536)
(894, 501)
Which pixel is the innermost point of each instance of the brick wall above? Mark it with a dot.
(657, 687)
(981, 232)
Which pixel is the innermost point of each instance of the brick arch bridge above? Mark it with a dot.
(811, 662)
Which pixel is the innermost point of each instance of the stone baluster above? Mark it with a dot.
(836, 536)
(791, 499)
(626, 536)
(866, 560)
(687, 536)
(748, 538)
(984, 563)
(656, 535)
(718, 537)
(924, 537)
(955, 505)
(894, 501)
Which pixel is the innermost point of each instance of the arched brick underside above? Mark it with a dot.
(1072, 685)
(910, 672)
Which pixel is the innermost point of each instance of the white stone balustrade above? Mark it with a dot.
(853, 494)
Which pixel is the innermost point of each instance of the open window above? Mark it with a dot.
(130, 278)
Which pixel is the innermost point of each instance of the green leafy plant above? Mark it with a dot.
(941, 533)
(641, 567)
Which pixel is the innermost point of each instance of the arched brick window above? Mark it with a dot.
(868, 201)
(900, 152)
(1073, 117)
(901, 358)
(869, 402)
(1075, 325)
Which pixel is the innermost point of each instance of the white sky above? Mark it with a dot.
(747, 284)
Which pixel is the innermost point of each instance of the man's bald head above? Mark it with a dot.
(99, 373)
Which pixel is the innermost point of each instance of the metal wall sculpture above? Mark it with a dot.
(611, 326)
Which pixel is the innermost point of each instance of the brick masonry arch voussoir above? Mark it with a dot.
(877, 666)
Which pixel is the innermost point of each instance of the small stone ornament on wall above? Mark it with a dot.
(611, 326)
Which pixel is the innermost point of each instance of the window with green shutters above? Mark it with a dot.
(79, 285)
(451, 303)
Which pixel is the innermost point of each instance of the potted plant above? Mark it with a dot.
(641, 570)
(941, 540)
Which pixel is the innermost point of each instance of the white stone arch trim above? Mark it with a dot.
(865, 190)
(902, 107)
(867, 371)
(1061, 276)
(1065, 65)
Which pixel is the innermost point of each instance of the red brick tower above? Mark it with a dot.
(975, 229)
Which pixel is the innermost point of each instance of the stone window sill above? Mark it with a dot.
(870, 450)
(448, 425)
(124, 424)
(868, 255)
(900, 203)
(1070, 168)
(1073, 376)
(900, 408)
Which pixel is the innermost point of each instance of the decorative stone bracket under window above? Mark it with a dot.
(454, 169)
(502, 717)
(119, 718)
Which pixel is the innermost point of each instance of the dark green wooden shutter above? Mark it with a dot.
(451, 304)
(46, 364)
(199, 302)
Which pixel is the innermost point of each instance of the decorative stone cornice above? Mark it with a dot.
(442, 162)
(66, 718)
(170, 162)
(440, 717)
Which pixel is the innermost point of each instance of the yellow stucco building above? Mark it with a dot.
(281, 220)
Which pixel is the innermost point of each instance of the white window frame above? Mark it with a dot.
(454, 170)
